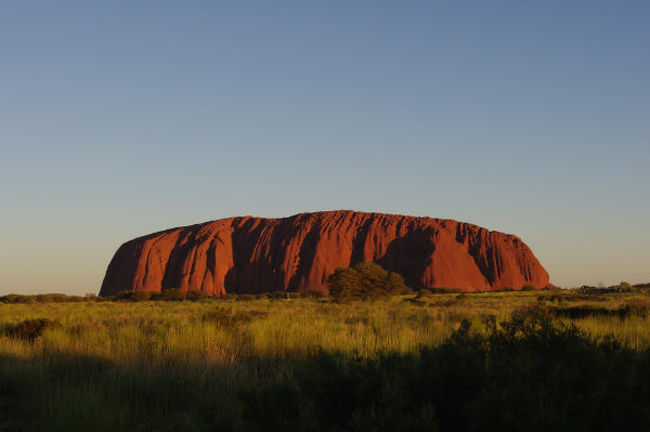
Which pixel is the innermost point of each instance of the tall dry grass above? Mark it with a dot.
(159, 365)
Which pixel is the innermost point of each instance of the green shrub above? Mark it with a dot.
(134, 295)
(365, 281)
(195, 295)
(172, 294)
(279, 295)
(142, 295)
(123, 295)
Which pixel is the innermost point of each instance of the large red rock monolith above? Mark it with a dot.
(298, 253)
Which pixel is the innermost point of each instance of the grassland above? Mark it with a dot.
(512, 360)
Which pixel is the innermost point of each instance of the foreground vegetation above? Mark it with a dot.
(499, 361)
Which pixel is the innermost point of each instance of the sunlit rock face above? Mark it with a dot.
(298, 253)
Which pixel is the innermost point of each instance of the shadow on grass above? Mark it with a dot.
(526, 374)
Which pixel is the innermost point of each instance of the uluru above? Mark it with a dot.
(298, 253)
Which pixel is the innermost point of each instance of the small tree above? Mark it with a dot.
(365, 281)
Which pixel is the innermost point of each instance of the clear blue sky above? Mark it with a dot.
(118, 119)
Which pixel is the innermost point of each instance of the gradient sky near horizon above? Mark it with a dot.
(118, 119)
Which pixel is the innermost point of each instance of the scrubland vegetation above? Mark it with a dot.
(551, 360)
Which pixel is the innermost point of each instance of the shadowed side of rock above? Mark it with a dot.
(298, 253)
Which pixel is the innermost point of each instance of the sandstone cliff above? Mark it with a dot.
(298, 253)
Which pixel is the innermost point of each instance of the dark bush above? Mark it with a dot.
(195, 295)
(439, 290)
(141, 295)
(633, 308)
(365, 281)
(578, 312)
(32, 328)
(528, 287)
(134, 295)
(43, 298)
(279, 295)
(57, 298)
(174, 294)
(311, 294)
(245, 297)
(17, 298)
(638, 307)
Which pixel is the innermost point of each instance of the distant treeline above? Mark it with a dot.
(364, 281)
(166, 295)
(46, 298)
(178, 295)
